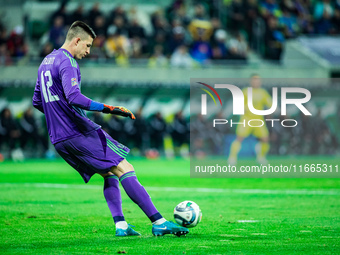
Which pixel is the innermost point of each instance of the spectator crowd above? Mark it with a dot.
(27, 136)
(159, 135)
(186, 33)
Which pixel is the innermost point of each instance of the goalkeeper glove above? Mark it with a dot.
(118, 110)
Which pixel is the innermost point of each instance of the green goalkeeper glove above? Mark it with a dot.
(118, 110)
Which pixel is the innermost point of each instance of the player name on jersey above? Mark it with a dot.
(48, 61)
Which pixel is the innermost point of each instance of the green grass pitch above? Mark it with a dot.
(46, 209)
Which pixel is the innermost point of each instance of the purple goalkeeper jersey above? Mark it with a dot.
(57, 94)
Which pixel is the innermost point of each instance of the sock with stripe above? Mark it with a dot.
(139, 195)
(114, 200)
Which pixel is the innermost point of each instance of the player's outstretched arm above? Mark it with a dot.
(75, 97)
(118, 110)
(85, 103)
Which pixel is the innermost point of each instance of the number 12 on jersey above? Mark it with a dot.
(46, 87)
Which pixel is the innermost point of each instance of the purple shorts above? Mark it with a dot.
(95, 152)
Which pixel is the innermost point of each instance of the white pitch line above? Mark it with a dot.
(251, 191)
(327, 192)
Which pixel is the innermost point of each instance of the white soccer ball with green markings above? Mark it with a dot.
(187, 214)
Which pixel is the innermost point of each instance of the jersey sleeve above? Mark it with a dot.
(267, 99)
(36, 101)
(69, 79)
(245, 94)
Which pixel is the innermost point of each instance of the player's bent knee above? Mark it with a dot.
(125, 166)
(122, 168)
(106, 174)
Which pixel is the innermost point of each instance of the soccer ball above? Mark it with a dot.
(187, 214)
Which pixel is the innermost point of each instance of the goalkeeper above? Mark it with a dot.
(261, 100)
(81, 142)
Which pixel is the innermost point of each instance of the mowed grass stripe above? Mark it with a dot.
(332, 192)
(46, 209)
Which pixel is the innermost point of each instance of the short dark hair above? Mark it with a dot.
(78, 28)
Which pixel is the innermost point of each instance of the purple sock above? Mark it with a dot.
(139, 195)
(113, 198)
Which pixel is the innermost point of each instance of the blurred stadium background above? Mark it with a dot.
(147, 51)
